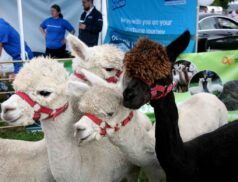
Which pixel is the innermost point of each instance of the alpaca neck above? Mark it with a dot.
(186, 76)
(169, 145)
(182, 77)
(134, 140)
(204, 86)
(63, 151)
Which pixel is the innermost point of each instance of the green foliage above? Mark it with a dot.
(222, 3)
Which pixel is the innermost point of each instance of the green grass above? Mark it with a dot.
(22, 135)
(2, 124)
(151, 116)
(143, 177)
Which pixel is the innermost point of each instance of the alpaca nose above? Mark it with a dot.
(6, 108)
(128, 95)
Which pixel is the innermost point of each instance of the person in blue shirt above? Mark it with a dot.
(10, 42)
(53, 30)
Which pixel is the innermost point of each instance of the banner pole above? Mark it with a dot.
(20, 19)
(105, 20)
(101, 9)
(196, 35)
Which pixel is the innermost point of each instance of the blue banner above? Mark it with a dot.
(160, 20)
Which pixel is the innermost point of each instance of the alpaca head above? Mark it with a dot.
(148, 69)
(101, 103)
(43, 81)
(103, 60)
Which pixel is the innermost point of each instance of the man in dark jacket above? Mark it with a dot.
(90, 24)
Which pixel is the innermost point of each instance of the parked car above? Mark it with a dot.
(217, 32)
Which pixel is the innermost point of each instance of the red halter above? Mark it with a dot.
(80, 76)
(38, 109)
(112, 79)
(159, 91)
(103, 130)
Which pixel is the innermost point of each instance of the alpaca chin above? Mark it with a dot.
(112, 123)
(98, 136)
(110, 131)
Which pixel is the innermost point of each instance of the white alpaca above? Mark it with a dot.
(182, 74)
(132, 139)
(179, 75)
(206, 112)
(45, 81)
(24, 161)
(103, 60)
(106, 61)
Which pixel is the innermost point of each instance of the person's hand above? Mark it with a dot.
(82, 26)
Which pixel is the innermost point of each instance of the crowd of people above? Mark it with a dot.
(232, 14)
(53, 30)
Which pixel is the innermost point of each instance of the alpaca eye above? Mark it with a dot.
(110, 114)
(44, 93)
(109, 69)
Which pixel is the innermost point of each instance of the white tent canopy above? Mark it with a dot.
(34, 12)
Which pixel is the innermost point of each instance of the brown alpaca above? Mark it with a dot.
(142, 61)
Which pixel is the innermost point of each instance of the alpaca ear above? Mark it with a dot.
(76, 88)
(179, 45)
(94, 79)
(79, 48)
